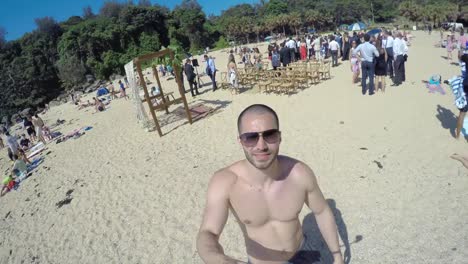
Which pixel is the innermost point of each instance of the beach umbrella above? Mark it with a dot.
(357, 26)
(374, 31)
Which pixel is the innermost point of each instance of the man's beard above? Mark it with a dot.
(261, 165)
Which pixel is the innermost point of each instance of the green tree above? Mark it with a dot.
(411, 10)
(276, 7)
(190, 18)
(294, 20)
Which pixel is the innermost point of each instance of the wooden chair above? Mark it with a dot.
(325, 69)
(276, 81)
(300, 76)
(288, 83)
(264, 82)
(313, 72)
(224, 84)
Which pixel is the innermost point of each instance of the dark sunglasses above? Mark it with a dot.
(250, 139)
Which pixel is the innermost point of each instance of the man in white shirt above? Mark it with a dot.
(400, 51)
(334, 47)
(388, 46)
(367, 53)
(317, 45)
(291, 44)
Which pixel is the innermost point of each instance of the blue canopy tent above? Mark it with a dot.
(102, 91)
(357, 26)
(374, 31)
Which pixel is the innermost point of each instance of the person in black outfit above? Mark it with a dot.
(24, 142)
(285, 55)
(189, 72)
(346, 47)
(30, 128)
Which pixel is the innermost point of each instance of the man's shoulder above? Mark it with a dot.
(298, 171)
(226, 176)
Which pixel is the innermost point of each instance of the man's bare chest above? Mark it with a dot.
(256, 206)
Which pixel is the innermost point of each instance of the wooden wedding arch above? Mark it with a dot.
(166, 102)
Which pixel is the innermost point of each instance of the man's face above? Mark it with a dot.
(261, 154)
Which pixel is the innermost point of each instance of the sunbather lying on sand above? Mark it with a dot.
(82, 105)
(98, 105)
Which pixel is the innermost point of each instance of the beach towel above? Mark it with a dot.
(456, 84)
(435, 88)
(433, 85)
(36, 149)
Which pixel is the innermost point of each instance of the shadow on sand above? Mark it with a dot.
(311, 230)
(447, 119)
(212, 107)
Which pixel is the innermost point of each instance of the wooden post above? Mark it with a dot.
(150, 104)
(179, 84)
(155, 73)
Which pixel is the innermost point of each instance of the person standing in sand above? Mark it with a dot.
(38, 124)
(266, 193)
(122, 90)
(368, 52)
(233, 73)
(112, 90)
(211, 71)
(464, 84)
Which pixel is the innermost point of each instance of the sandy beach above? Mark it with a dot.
(133, 197)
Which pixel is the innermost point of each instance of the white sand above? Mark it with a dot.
(138, 198)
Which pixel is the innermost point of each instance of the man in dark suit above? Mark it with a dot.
(285, 55)
(189, 72)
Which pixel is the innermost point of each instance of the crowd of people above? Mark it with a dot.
(387, 58)
(37, 132)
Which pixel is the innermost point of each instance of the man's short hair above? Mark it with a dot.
(258, 109)
(366, 37)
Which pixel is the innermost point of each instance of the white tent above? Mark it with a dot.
(357, 26)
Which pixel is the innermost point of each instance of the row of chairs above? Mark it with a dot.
(283, 80)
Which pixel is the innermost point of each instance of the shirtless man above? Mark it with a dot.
(266, 193)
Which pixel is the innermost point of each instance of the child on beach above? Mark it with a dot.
(8, 185)
(354, 59)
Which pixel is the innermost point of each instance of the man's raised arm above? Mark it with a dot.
(214, 219)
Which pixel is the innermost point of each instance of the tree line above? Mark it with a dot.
(55, 57)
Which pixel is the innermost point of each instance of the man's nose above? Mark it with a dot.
(261, 144)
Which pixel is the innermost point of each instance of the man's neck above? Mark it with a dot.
(266, 176)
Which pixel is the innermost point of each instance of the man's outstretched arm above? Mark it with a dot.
(214, 219)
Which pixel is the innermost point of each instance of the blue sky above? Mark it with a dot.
(17, 16)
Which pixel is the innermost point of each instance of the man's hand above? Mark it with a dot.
(338, 259)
